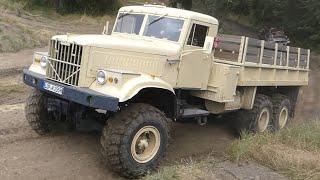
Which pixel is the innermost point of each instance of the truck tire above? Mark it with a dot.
(259, 118)
(135, 139)
(281, 111)
(36, 113)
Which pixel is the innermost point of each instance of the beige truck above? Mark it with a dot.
(161, 65)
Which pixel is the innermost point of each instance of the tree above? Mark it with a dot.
(186, 4)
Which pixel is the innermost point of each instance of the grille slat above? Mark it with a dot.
(56, 53)
(73, 61)
(65, 62)
(69, 66)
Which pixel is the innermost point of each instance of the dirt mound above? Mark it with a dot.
(20, 29)
(308, 106)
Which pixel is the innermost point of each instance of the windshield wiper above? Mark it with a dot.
(124, 14)
(156, 20)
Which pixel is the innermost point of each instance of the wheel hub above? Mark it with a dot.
(263, 120)
(283, 117)
(145, 144)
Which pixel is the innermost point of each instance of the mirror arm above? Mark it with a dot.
(106, 28)
(172, 62)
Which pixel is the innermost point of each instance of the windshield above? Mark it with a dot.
(129, 23)
(163, 28)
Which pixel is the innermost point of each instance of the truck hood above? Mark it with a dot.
(126, 43)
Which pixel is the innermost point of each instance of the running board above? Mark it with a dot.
(194, 112)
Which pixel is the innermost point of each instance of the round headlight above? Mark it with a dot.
(44, 61)
(101, 77)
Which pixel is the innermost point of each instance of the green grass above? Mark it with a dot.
(294, 152)
(186, 169)
(12, 4)
(166, 173)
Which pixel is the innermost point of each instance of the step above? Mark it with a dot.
(194, 112)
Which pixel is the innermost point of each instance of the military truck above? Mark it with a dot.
(157, 66)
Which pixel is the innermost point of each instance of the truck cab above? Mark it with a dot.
(187, 30)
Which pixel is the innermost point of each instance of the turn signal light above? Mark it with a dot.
(110, 79)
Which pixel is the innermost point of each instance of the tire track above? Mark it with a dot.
(13, 124)
(14, 107)
(11, 71)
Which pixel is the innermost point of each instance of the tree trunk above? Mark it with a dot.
(58, 4)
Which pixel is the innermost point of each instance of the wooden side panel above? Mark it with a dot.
(266, 63)
(230, 48)
(293, 57)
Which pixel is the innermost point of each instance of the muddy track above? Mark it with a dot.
(73, 155)
(25, 155)
(11, 71)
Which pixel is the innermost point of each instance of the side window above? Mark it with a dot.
(198, 35)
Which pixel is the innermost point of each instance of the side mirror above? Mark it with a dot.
(208, 45)
(106, 28)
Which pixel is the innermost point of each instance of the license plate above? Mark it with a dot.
(53, 88)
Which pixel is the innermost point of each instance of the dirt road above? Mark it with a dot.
(75, 155)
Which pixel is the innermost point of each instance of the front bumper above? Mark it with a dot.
(84, 96)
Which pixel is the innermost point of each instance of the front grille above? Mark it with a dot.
(64, 62)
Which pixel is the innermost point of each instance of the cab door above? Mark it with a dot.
(195, 65)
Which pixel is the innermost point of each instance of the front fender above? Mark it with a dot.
(132, 87)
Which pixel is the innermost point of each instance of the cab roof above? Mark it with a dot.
(161, 10)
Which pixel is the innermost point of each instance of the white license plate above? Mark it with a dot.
(53, 88)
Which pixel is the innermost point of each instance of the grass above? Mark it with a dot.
(294, 152)
(12, 4)
(19, 37)
(186, 169)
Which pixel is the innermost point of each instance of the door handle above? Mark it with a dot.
(172, 62)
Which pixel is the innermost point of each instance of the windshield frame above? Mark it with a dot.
(144, 24)
(128, 13)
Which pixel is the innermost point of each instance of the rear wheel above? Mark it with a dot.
(281, 111)
(135, 139)
(259, 118)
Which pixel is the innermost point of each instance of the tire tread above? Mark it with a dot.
(114, 132)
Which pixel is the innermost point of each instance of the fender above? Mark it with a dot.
(36, 68)
(132, 87)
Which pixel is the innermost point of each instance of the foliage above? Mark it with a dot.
(300, 19)
(77, 6)
(186, 4)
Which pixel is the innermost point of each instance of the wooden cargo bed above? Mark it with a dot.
(263, 63)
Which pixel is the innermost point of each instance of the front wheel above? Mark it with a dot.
(37, 114)
(135, 139)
